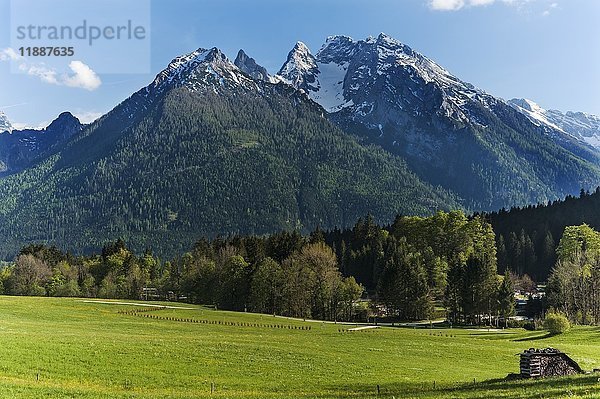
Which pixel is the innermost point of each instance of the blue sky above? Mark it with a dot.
(545, 50)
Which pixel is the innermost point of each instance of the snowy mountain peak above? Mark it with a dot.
(583, 127)
(201, 68)
(299, 59)
(527, 105)
(386, 39)
(181, 64)
(301, 48)
(300, 68)
(337, 38)
(584, 117)
(337, 49)
(5, 125)
(533, 111)
(348, 73)
(385, 42)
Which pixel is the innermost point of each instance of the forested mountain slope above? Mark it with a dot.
(450, 133)
(206, 150)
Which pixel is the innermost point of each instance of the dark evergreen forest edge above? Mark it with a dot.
(412, 267)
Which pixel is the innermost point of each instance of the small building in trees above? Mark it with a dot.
(548, 362)
(150, 294)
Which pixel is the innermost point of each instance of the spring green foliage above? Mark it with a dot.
(65, 348)
(229, 275)
(506, 297)
(461, 261)
(410, 265)
(556, 323)
(574, 281)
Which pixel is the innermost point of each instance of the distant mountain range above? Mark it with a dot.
(5, 125)
(582, 126)
(214, 147)
(451, 133)
(20, 149)
(206, 149)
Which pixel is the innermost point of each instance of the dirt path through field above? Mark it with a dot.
(362, 328)
(148, 305)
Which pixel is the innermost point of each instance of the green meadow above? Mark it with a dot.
(68, 348)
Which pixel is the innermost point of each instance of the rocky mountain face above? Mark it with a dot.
(204, 150)
(213, 147)
(5, 125)
(450, 133)
(581, 126)
(21, 148)
(249, 66)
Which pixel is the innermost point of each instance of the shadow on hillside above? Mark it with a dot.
(496, 388)
(534, 338)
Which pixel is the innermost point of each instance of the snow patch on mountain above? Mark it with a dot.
(5, 125)
(330, 88)
(582, 126)
(201, 69)
(535, 113)
(346, 73)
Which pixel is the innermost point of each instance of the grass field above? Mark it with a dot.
(67, 348)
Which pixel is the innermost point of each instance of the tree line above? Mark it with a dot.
(528, 237)
(306, 283)
(409, 267)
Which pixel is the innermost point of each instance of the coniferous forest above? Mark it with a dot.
(409, 267)
(234, 162)
(462, 264)
(527, 237)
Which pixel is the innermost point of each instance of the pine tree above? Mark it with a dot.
(548, 254)
(506, 298)
(502, 254)
(403, 284)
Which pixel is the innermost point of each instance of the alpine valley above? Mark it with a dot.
(213, 147)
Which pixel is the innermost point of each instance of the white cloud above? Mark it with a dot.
(9, 54)
(446, 5)
(550, 9)
(88, 116)
(480, 2)
(81, 75)
(454, 5)
(46, 75)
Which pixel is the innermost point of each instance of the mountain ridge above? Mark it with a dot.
(206, 150)
(390, 95)
(20, 149)
(212, 147)
(5, 125)
(580, 125)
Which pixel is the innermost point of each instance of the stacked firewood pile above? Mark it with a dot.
(548, 362)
